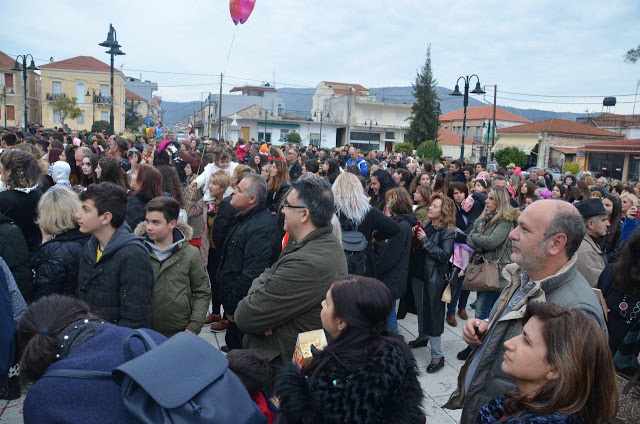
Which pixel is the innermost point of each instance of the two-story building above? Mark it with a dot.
(478, 130)
(137, 103)
(629, 125)
(554, 141)
(88, 80)
(11, 89)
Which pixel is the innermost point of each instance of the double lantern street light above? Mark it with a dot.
(31, 67)
(371, 123)
(456, 92)
(114, 50)
(322, 114)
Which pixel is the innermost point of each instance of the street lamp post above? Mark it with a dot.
(322, 115)
(370, 123)
(114, 50)
(456, 92)
(435, 143)
(32, 67)
(266, 118)
(4, 103)
(92, 92)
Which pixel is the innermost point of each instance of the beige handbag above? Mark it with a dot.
(482, 274)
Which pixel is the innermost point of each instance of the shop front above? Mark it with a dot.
(617, 159)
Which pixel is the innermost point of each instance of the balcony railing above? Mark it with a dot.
(101, 100)
(53, 97)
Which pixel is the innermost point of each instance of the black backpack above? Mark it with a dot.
(183, 380)
(355, 247)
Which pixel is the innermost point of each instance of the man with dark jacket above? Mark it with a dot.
(14, 251)
(250, 247)
(544, 244)
(115, 277)
(456, 171)
(295, 169)
(285, 300)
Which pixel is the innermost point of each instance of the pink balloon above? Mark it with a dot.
(241, 10)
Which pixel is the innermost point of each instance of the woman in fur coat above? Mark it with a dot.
(363, 375)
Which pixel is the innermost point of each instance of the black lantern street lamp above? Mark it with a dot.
(371, 123)
(92, 92)
(456, 92)
(32, 67)
(322, 114)
(114, 50)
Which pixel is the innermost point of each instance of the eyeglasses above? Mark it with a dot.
(286, 204)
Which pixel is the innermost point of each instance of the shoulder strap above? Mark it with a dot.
(86, 374)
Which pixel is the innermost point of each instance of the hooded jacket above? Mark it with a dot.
(384, 390)
(135, 209)
(392, 266)
(566, 288)
(181, 291)
(21, 205)
(119, 287)
(14, 251)
(56, 264)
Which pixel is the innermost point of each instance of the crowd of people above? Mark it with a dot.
(103, 235)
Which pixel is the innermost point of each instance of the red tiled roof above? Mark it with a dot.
(346, 84)
(354, 92)
(7, 61)
(130, 95)
(631, 145)
(559, 126)
(449, 138)
(482, 112)
(615, 120)
(80, 63)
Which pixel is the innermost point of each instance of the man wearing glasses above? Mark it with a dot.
(295, 169)
(285, 300)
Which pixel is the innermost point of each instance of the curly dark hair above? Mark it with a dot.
(171, 183)
(23, 169)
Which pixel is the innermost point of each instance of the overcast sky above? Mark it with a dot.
(533, 47)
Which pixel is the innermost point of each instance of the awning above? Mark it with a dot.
(522, 143)
(277, 124)
(566, 150)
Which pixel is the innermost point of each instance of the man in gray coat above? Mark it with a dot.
(286, 299)
(545, 241)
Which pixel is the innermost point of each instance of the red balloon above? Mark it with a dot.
(241, 10)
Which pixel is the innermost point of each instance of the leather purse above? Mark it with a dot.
(482, 274)
(629, 399)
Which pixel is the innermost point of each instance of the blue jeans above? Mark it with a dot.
(460, 297)
(485, 302)
(392, 319)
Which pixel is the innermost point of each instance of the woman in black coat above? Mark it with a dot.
(429, 275)
(146, 184)
(363, 375)
(356, 214)
(611, 243)
(278, 185)
(57, 259)
(392, 265)
(21, 173)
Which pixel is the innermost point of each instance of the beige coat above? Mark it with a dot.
(591, 260)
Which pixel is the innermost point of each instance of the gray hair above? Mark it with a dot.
(571, 225)
(257, 186)
(295, 151)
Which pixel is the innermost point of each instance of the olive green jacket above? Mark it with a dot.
(287, 297)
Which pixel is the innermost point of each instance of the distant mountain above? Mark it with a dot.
(299, 101)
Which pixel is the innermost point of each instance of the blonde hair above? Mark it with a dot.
(632, 198)
(447, 210)
(56, 211)
(282, 176)
(222, 179)
(349, 197)
(503, 204)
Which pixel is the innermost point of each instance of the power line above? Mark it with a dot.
(556, 103)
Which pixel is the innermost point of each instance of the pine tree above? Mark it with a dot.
(423, 115)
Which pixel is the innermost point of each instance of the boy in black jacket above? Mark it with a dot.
(115, 277)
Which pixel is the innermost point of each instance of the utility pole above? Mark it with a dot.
(493, 128)
(209, 117)
(348, 135)
(220, 111)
